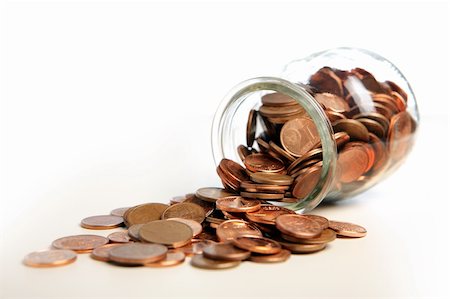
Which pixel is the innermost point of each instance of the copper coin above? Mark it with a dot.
(312, 154)
(379, 118)
(80, 243)
(119, 237)
(262, 196)
(102, 222)
(280, 111)
(102, 253)
(144, 213)
(200, 261)
(119, 211)
(230, 229)
(233, 215)
(303, 248)
(263, 145)
(257, 244)
(243, 152)
(173, 258)
(237, 204)
(263, 188)
(271, 178)
(137, 253)
(341, 138)
(399, 101)
(298, 136)
(208, 207)
(334, 116)
(326, 236)
(373, 127)
(251, 127)
(298, 226)
(332, 102)
(229, 183)
(194, 225)
(325, 80)
(263, 163)
(133, 231)
(171, 233)
(226, 252)
(181, 198)
(267, 214)
(346, 229)
(353, 161)
(233, 170)
(323, 222)
(279, 257)
(367, 79)
(398, 89)
(185, 210)
(400, 130)
(212, 194)
(277, 99)
(50, 258)
(281, 152)
(383, 109)
(195, 247)
(304, 184)
(381, 156)
(352, 127)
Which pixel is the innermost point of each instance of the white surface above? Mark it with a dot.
(106, 105)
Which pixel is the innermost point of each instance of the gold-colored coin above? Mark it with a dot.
(185, 210)
(212, 194)
(137, 253)
(199, 261)
(167, 232)
(230, 229)
(194, 225)
(346, 229)
(271, 178)
(237, 204)
(102, 222)
(50, 258)
(102, 253)
(80, 243)
(225, 252)
(144, 213)
(326, 236)
(172, 258)
(279, 257)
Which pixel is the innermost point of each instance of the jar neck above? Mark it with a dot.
(222, 129)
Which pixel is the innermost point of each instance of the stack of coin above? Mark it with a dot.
(217, 228)
(373, 131)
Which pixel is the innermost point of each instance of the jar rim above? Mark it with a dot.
(221, 129)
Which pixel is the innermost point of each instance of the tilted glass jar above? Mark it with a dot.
(340, 121)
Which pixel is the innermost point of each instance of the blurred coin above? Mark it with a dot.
(346, 229)
(263, 163)
(262, 196)
(225, 252)
(102, 222)
(271, 178)
(298, 226)
(302, 248)
(170, 233)
(172, 258)
(279, 257)
(119, 237)
(137, 253)
(102, 253)
(200, 261)
(352, 127)
(80, 243)
(50, 258)
(230, 229)
(267, 214)
(400, 132)
(133, 231)
(212, 194)
(323, 222)
(194, 225)
(144, 213)
(326, 236)
(185, 210)
(306, 182)
(119, 211)
(332, 102)
(251, 127)
(237, 204)
(257, 244)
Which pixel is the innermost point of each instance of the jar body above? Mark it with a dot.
(340, 121)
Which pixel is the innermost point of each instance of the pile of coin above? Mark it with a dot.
(217, 228)
(373, 131)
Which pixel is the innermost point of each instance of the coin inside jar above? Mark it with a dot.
(167, 232)
(263, 163)
(50, 258)
(237, 204)
(298, 136)
(271, 178)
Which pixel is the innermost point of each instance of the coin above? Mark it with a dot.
(237, 204)
(185, 210)
(353, 162)
(102, 222)
(323, 222)
(195, 247)
(267, 214)
(304, 184)
(137, 253)
(172, 258)
(373, 127)
(381, 155)
(257, 244)
(102, 253)
(399, 134)
(208, 207)
(271, 178)
(225, 252)
(303, 248)
(230, 229)
(325, 80)
(80, 243)
(144, 213)
(263, 145)
(194, 225)
(243, 152)
(263, 163)
(280, 152)
(133, 231)
(346, 229)
(299, 163)
(352, 127)
(298, 136)
(279, 257)
(171, 233)
(119, 237)
(298, 226)
(200, 261)
(326, 236)
(397, 89)
(262, 196)
(229, 184)
(251, 127)
(50, 258)
(333, 102)
(212, 194)
(263, 188)
(277, 99)
(233, 170)
(119, 211)
(379, 118)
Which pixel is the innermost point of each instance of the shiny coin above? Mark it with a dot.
(119, 237)
(277, 99)
(352, 127)
(225, 252)
(200, 261)
(263, 145)
(195, 247)
(237, 204)
(251, 127)
(267, 214)
(194, 225)
(102, 253)
(102, 222)
(323, 222)
(262, 196)
(133, 231)
(243, 152)
(212, 194)
(80, 243)
(325, 80)
(208, 207)
(332, 102)
(167, 232)
(137, 253)
(257, 244)
(280, 152)
(263, 188)
(233, 171)
(373, 127)
(50, 258)
(119, 211)
(263, 163)
(185, 210)
(172, 258)
(279, 257)
(326, 236)
(346, 229)
(144, 213)
(298, 226)
(298, 136)
(306, 182)
(230, 229)
(302, 248)
(399, 135)
(353, 161)
(271, 178)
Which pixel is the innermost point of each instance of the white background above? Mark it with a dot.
(109, 104)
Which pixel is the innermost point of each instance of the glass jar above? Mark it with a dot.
(340, 121)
